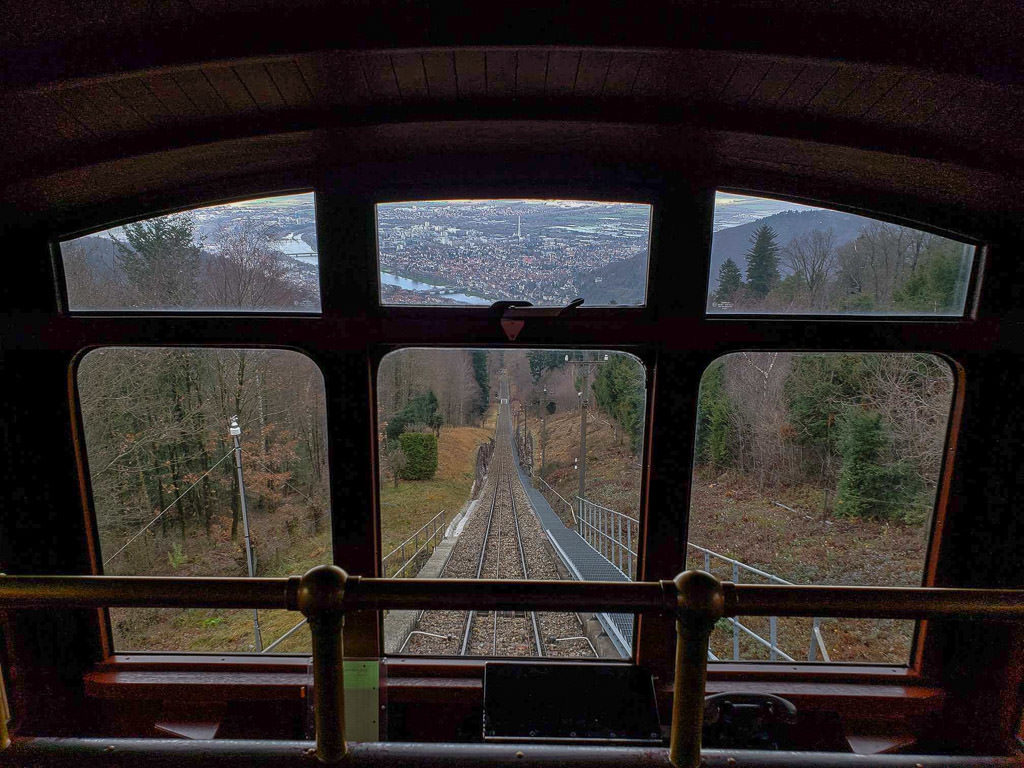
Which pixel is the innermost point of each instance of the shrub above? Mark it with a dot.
(869, 484)
(420, 451)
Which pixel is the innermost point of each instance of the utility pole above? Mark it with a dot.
(543, 431)
(585, 367)
(236, 432)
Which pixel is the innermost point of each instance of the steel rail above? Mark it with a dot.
(464, 649)
(526, 572)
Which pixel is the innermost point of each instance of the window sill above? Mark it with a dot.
(858, 693)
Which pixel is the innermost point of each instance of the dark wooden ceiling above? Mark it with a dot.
(851, 92)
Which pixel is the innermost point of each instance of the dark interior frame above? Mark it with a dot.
(51, 654)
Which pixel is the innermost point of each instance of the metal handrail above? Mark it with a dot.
(438, 529)
(572, 512)
(606, 509)
(817, 642)
(696, 598)
(743, 566)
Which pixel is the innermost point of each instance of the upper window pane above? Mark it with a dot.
(546, 252)
(776, 257)
(254, 255)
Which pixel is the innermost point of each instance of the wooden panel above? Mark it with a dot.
(412, 79)
(868, 93)
(593, 71)
(231, 89)
(622, 74)
(470, 74)
(380, 78)
(777, 81)
(440, 69)
(671, 78)
(501, 73)
(39, 112)
(562, 69)
(135, 92)
(200, 92)
(913, 97)
(744, 81)
(712, 72)
(532, 73)
(334, 78)
(257, 81)
(651, 82)
(290, 83)
(806, 86)
(99, 108)
(836, 89)
(165, 88)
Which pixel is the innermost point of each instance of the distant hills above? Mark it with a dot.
(734, 242)
(621, 282)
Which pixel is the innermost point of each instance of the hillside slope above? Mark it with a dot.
(734, 242)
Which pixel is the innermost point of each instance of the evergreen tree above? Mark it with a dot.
(479, 358)
(871, 484)
(619, 390)
(730, 280)
(542, 360)
(714, 418)
(160, 260)
(762, 261)
(422, 409)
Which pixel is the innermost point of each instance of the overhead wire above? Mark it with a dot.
(167, 508)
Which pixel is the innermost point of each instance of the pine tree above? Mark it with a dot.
(730, 280)
(762, 261)
(161, 261)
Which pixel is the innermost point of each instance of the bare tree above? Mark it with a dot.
(247, 272)
(812, 258)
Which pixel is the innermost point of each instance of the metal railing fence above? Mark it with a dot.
(817, 643)
(610, 533)
(432, 532)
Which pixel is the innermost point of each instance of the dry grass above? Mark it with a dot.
(613, 472)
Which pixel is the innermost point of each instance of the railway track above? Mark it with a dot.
(501, 540)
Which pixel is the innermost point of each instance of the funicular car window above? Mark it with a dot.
(206, 462)
(546, 252)
(776, 257)
(252, 255)
(818, 468)
(510, 463)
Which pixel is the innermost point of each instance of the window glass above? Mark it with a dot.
(776, 257)
(246, 256)
(482, 473)
(170, 499)
(817, 468)
(546, 252)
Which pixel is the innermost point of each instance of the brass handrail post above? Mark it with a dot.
(321, 596)
(700, 602)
